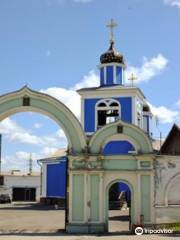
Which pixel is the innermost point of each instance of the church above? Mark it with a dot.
(112, 144)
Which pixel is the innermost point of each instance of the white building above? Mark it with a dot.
(20, 186)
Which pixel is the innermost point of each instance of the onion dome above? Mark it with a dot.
(112, 56)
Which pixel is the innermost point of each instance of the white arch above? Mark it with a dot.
(168, 186)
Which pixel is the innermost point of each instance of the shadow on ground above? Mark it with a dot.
(123, 218)
(28, 206)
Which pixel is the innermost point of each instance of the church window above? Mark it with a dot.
(108, 111)
(26, 101)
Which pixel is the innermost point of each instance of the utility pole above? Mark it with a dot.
(30, 164)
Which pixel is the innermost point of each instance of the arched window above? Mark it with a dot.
(107, 111)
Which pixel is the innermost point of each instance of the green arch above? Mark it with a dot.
(135, 133)
(12, 103)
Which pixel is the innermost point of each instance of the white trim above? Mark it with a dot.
(111, 100)
(114, 75)
(82, 112)
(105, 76)
(44, 180)
(123, 77)
(89, 133)
(112, 91)
(133, 109)
(111, 64)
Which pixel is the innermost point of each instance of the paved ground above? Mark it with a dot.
(36, 222)
(118, 221)
(30, 217)
(86, 237)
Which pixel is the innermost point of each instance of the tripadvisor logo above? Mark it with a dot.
(140, 231)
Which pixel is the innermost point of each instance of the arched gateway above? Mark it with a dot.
(26, 99)
(91, 170)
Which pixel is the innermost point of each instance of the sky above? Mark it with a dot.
(53, 46)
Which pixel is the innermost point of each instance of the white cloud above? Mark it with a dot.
(149, 69)
(164, 114)
(173, 3)
(89, 80)
(15, 133)
(69, 96)
(19, 161)
(37, 125)
(177, 104)
(47, 152)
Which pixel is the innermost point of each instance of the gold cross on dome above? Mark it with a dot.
(111, 25)
(132, 78)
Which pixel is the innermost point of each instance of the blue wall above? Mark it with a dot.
(56, 179)
(109, 75)
(117, 147)
(110, 78)
(102, 76)
(147, 122)
(89, 111)
(119, 79)
(124, 187)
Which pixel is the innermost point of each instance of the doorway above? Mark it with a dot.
(119, 207)
(24, 194)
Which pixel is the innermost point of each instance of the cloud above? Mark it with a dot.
(173, 3)
(89, 80)
(177, 104)
(37, 125)
(15, 133)
(164, 114)
(149, 69)
(69, 96)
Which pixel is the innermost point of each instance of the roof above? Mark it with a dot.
(60, 153)
(56, 156)
(113, 88)
(172, 134)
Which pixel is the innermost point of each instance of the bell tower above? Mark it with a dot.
(113, 99)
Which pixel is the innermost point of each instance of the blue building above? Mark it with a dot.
(54, 178)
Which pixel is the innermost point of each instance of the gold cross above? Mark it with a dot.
(111, 25)
(132, 78)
